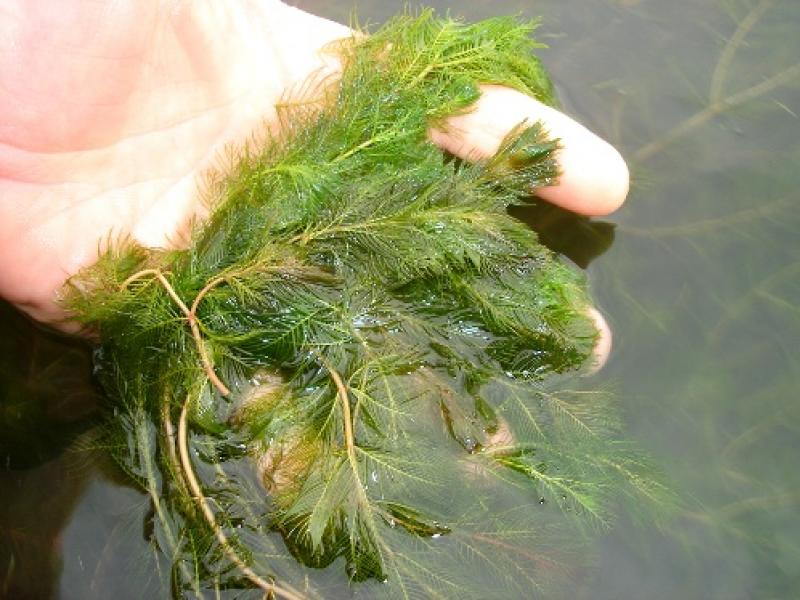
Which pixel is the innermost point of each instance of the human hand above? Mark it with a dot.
(112, 114)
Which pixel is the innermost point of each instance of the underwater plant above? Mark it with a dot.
(361, 357)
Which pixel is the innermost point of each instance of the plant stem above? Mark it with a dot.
(172, 451)
(155, 497)
(190, 317)
(225, 544)
(349, 439)
(341, 389)
(207, 288)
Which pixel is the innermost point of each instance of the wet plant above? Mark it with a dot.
(361, 358)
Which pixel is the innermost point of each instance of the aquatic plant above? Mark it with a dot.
(361, 356)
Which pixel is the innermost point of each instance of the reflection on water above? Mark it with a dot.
(701, 285)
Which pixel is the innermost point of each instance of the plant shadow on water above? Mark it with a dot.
(701, 286)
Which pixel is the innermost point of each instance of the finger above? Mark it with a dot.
(602, 347)
(594, 177)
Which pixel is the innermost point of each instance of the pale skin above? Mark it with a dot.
(114, 112)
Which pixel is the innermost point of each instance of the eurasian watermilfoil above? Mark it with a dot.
(360, 355)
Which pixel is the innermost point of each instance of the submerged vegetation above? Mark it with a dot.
(361, 358)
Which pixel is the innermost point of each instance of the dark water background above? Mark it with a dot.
(699, 276)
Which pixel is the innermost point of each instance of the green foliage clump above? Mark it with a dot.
(357, 357)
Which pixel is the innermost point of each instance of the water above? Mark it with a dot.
(699, 276)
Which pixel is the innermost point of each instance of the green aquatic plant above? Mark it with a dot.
(361, 357)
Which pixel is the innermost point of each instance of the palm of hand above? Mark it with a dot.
(112, 116)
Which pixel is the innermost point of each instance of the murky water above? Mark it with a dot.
(699, 276)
